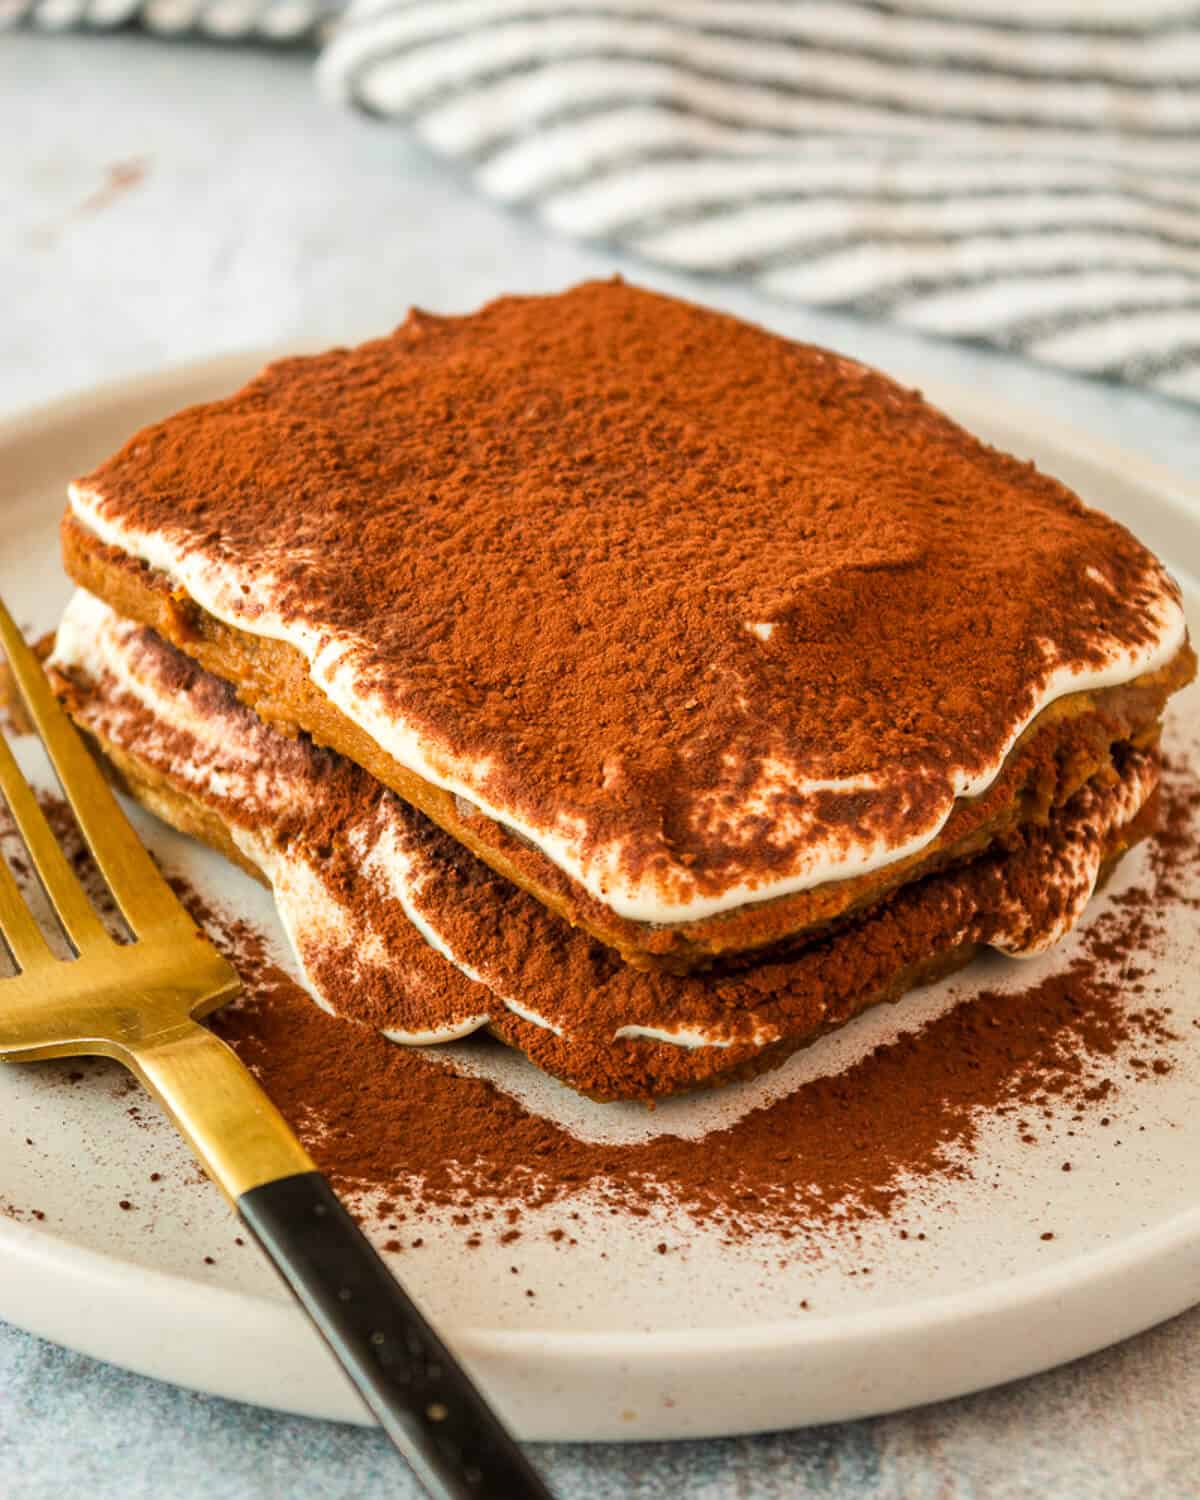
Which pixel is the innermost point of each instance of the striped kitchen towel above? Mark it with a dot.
(1021, 172)
(281, 23)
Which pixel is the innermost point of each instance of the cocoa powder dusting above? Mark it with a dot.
(644, 571)
(837, 1150)
(377, 1117)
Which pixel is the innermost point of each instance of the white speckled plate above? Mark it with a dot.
(618, 1342)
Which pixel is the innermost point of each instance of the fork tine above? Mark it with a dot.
(17, 926)
(141, 892)
(62, 885)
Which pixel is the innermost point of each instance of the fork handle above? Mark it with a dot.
(420, 1395)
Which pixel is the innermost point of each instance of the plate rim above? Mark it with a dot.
(1143, 1247)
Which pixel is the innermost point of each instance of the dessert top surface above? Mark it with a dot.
(707, 614)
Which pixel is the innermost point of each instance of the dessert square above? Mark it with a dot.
(599, 670)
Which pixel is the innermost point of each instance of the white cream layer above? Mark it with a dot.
(226, 763)
(221, 588)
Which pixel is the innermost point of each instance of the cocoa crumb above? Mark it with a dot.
(11, 1211)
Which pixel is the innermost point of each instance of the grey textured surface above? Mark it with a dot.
(1121, 1424)
(161, 204)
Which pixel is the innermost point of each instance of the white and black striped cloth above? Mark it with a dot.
(1021, 172)
(281, 23)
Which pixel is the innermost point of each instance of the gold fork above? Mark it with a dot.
(142, 1003)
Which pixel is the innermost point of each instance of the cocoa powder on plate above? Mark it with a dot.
(379, 1117)
(836, 1150)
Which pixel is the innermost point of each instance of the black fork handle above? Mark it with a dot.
(422, 1397)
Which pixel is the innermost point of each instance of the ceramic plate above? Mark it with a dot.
(619, 1342)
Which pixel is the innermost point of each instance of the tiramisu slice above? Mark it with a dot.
(600, 670)
(707, 639)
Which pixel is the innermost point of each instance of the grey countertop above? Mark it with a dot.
(160, 203)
